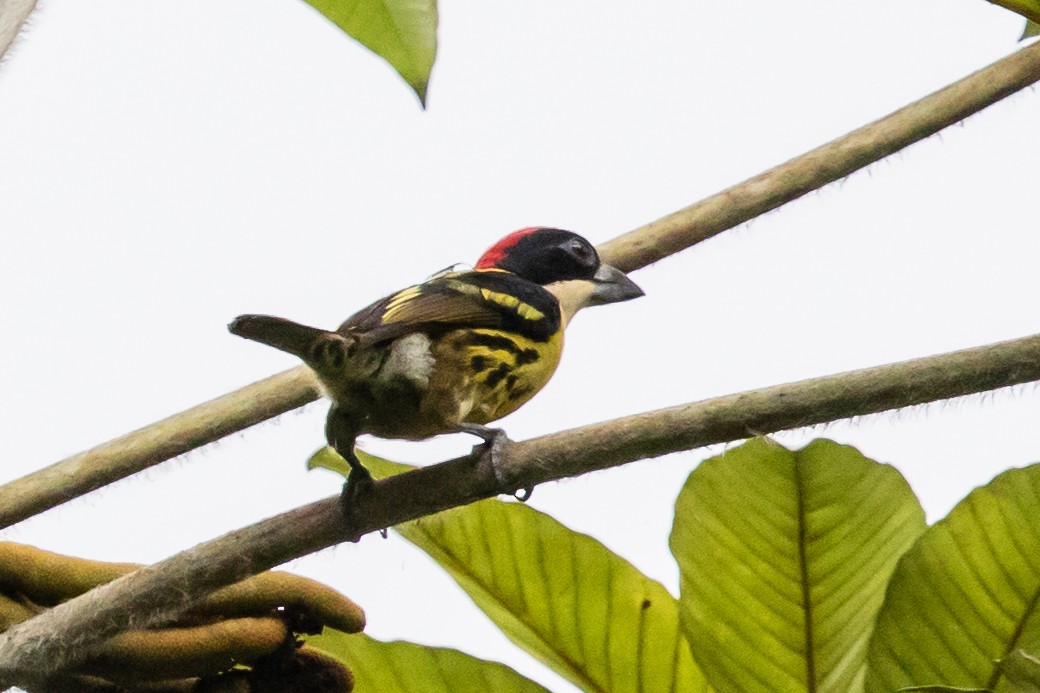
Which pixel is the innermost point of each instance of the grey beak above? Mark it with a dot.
(613, 286)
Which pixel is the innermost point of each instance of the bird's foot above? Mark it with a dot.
(358, 484)
(490, 452)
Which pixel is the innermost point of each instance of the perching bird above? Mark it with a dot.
(454, 353)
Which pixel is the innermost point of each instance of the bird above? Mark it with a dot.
(454, 353)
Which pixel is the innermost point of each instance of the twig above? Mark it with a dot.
(64, 634)
(134, 452)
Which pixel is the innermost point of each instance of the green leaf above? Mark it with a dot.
(327, 458)
(1021, 671)
(943, 689)
(1032, 29)
(966, 594)
(564, 597)
(404, 667)
(784, 558)
(402, 32)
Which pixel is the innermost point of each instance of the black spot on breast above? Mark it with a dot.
(527, 356)
(493, 342)
(510, 381)
(478, 363)
(495, 376)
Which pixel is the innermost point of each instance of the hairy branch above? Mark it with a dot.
(13, 14)
(65, 634)
(825, 164)
(233, 412)
(140, 449)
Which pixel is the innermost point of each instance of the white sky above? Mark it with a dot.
(165, 166)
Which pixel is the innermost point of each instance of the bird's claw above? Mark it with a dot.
(359, 482)
(490, 452)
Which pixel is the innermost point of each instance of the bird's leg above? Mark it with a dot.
(359, 480)
(341, 434)
(491, 451)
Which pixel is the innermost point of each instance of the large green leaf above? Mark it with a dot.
(403, 32)
(966, 595)
(404, 667)
(564, 597)
(784, 559)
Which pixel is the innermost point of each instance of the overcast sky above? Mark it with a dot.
(166, 166)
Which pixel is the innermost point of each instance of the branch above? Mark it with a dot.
(825, 164)
(13, 14)
(63, 635)
(140, 449)
(266, 399)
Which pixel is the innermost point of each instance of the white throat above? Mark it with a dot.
(573, 295)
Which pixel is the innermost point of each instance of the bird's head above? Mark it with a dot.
(564, 263)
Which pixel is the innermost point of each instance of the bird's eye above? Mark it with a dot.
(582, 251)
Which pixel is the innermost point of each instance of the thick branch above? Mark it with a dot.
(62, 635)
(233, 412)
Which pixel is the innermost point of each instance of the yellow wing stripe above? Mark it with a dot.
(529, 312)
(524, 310)
(399, 300)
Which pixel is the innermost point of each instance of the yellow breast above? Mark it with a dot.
(504, 369)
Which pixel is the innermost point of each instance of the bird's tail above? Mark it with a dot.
(320, 349)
